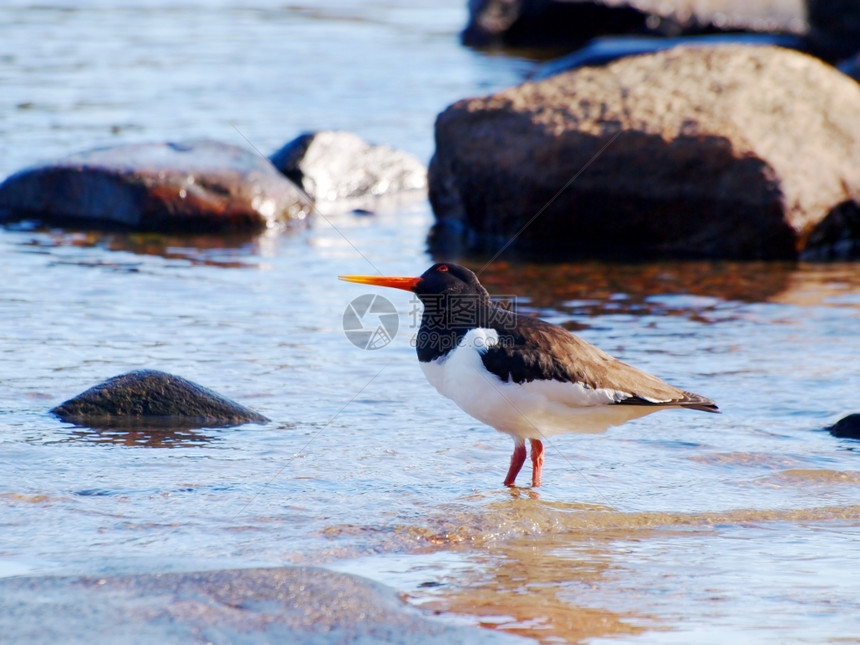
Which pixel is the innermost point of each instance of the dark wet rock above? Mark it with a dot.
(332, 166)
(546, 24)
(837, 236)
(722, 152)
(569, 24)
(847, 427)
(199, 186)
(834, 28)
(283, 605)
(155, 398)
(601, 51)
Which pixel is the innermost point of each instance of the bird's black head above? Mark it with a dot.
(442, 279)
(449, 279)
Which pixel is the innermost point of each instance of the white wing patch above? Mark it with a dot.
(528, 410)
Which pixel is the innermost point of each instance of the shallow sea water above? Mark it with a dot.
(679, 527)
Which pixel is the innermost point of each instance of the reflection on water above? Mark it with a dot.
(566, 573)
(692, 289)
(141, 436)
(556, 523)
(595, 288)
(539, 590)
(232, 251)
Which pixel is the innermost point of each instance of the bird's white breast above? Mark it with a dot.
(533, 409)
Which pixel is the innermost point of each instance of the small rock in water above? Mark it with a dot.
(332, 166)
(153, 397)
(847, 427)
(199, 186)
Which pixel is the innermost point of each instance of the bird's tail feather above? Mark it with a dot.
(698, 402)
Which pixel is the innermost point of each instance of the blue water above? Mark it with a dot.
(678, 527)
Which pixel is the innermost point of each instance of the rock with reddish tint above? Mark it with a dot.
(569, 24)
(153, 398)
(837, 236)
(199, 186)
(332, 166)
(722, 152)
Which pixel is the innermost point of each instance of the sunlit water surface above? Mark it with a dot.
(679, 527)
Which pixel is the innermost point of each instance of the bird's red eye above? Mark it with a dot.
(442, 268)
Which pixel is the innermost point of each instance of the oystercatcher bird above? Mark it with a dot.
(523, 376)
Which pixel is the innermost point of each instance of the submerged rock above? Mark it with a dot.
(278, 605)
(569, 24)
(332, 166)
(199, 186)
(154, 398)
(721, 152)
(847, 427)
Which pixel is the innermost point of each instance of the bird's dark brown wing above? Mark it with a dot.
(536, 350)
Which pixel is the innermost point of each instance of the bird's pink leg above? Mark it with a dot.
(537, 461)
(517, 461)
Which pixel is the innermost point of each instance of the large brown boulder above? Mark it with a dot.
(733, 151)
(568, 24)
(200, 186)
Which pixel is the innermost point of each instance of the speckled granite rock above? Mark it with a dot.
(332, 166)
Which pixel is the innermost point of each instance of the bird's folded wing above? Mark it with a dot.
(537, 350)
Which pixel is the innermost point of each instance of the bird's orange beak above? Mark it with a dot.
(407, 284)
